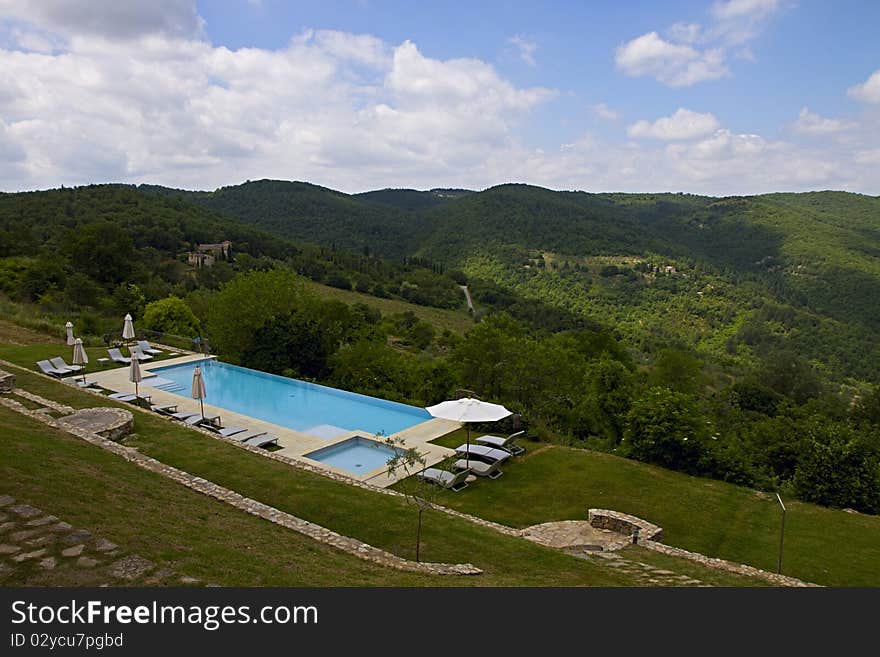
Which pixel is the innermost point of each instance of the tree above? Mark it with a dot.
(80, 290)
(421, 494)
(128, 298)
(104, 251)
(837, 469)
(250, 301)
(171, 315)
(665, 427)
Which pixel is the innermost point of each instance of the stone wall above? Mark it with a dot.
(623, 523)
(7, 382)
(650, 536)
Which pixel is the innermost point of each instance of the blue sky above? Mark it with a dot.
(718, 97)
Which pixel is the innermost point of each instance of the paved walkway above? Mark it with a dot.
(39, 549)
(575, 534)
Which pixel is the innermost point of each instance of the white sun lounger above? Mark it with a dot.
(261, 440)
(59, 363)
(117, 357)
(51, 370)
(147, 348)
(480, 468)
(508, 443)
(445, 479)
(483, 452)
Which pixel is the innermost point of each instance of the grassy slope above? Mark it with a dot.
(454, 320)
(550, 482)
(378, 519)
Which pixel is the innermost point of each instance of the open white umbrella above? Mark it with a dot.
(198, 389)
(69, 328)
(467, 410)
(134, 374)
(80, 357)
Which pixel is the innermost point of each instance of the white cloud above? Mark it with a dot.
(685, 32)
(810, 123)
(693, 52)
(605, 113)
(683, 124)
(868, 91)
(525, 47)
(109, 19)
(675, 65)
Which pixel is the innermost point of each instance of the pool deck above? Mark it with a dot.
(294, 444)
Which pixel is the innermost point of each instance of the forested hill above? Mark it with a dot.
(733, 277)
(309, 213)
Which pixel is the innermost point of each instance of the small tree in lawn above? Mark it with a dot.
(418, 492)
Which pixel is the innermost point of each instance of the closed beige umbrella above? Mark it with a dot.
(80, 357)
(198, 389)
(134, 374)
(69, 328)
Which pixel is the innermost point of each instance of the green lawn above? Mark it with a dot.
(551, 482)
(102, 492)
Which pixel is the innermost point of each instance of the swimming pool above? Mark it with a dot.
(307, 407)
(357, 455)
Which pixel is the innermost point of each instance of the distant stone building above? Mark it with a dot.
(206, 255)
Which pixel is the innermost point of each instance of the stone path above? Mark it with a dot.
(644, 574)
(575, 534)
(38, 549)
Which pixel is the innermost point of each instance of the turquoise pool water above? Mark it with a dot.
(357, 455)
(307, 407)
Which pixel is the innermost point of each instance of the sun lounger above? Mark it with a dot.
(197, 420)
(85, 384)
(117, 357)
(483, 452)
(247, 435)
(508, 443)
(164, 409)
(226, 431)
(261, 441)
(51, 370)
(183, 415)
(59, 364)
(140, 355)
(480, 468)
(147, 348)
(129, 397)
(445, 479)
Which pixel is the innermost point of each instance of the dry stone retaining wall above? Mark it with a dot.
(650, 536)
(7, 381)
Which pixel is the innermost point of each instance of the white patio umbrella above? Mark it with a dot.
(80, 357)
(467, 410)
(70, 339)
(198, 388)
(134, 374)
(127, 328)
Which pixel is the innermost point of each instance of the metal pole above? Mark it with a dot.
(781, 535)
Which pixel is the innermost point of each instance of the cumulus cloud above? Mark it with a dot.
(868, 91)
(694, 53)
(683, 124)
(810, 123)
(525, 47)
(675, 65)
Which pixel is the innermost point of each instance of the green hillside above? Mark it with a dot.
(309, 213)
